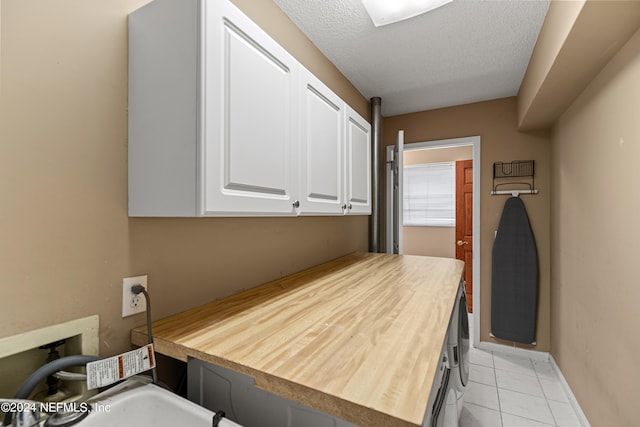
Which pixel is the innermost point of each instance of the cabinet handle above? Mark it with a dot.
(350, 206)
(296, 204)
(344, 207)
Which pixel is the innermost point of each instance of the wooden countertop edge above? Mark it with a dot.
(337, 407)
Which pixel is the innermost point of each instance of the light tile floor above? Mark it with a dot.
(512, 391)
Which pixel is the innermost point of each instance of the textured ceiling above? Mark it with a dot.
(467, 51)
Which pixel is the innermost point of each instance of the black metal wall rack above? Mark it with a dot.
(505, 172)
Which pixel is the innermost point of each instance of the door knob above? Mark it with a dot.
(462, 242)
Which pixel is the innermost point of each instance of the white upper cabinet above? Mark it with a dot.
(223, 121)
(321, 155)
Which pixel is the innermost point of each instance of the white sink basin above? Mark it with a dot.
(137, 403)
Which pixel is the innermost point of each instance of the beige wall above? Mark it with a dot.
(556, 28)
(65, 239)
(429, 241)
(495, 122)
(595, 227)
(576, 41)
(432, 241)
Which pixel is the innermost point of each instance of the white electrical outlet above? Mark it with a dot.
(132, 303)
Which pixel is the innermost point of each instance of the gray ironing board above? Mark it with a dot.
(514, 276)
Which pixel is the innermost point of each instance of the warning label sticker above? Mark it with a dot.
(104, 372)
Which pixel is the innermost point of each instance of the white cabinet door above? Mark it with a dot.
(358, 165)
(249, 117)
(321, 155)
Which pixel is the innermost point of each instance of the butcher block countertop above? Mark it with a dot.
(359, 337)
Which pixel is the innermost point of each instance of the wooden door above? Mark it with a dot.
(464, 223)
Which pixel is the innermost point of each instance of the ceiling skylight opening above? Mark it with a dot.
(383, 12)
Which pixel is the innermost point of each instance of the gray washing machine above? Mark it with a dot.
(458, 347)
(444, 411)
(453, 373)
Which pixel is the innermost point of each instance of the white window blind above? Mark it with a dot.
(430, 195)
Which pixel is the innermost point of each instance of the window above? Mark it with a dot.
(430, 195)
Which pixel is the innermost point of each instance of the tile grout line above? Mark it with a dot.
(544, 393)
(539, 378)
(555, 424)
(573, 402)
(495, 378)
(535, 375)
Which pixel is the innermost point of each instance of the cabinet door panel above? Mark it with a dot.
(257, 105)
(358, 164)
(321, 148)
(250, 119)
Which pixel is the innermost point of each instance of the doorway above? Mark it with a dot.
(473, 239)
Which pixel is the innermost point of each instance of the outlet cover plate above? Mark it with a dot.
(133, 304)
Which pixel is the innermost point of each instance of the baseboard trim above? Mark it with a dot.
(582, 418)
(514, 351)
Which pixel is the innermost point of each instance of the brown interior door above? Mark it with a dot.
(464, 223)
